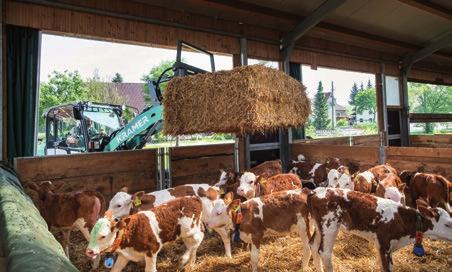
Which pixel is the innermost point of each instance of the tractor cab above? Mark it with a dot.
(80, 127)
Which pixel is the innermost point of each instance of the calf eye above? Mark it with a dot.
(102, 237)
(118, 206)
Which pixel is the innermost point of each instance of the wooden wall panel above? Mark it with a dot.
(106, 172)
(200, 164)
(90, 25)
(434, 160)
(364, 157)
(431, 140)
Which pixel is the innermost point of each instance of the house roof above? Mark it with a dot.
(133, 93)
(340, 107)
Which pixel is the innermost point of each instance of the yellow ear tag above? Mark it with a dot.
(137, 202)
(222, 191)
(263, 181)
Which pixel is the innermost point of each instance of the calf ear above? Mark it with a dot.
(228, 198)
(401, 187)
(426, 210)
(138, 195)
(234, 204)
(212, 194)
(124, 189)
(259, 179)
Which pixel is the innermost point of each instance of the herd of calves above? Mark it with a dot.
(316, 200)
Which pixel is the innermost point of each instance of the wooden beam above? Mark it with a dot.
(430, 117)
(310, 21)
(436, 44)
(430, 7)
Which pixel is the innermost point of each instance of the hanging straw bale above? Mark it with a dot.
(247, 99)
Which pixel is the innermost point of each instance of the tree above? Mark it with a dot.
(353, 93)
(427, 98)
(369, 84)
(361, 87)
(117, 78)
(154, 74)
(321, 120)
(366, 100)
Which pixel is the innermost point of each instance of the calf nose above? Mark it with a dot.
(240, 191)
(89, 253)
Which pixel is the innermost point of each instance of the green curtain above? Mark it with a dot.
(22, 85)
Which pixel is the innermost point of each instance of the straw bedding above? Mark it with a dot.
(247, 99)
(281, 253)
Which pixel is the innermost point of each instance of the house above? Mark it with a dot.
(340, 112)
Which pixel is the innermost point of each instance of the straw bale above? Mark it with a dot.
(247, 99)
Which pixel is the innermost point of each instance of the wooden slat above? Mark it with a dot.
(81, 165)
(366, 140)
(191, 167)
(104, 172)
(364, 157)
(419, 152)
(185, 152)
(431, 140)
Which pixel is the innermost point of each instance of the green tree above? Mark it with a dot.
(427, 98)
(369, 84)
(361, 87)
(366, 100)
(353, 93)
(154, 74)
(62, 87)
(117, 78)
(321, 120)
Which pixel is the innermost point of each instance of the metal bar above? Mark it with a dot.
(384, 105)
(265, 146)
(35, 137)
(309, 22)
(243, 51)
(394, 136)
(438, 43)
(247, 152)
(167, 159)
(404, 114)
(2, 87)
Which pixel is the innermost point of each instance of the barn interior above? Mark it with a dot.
(408, 40)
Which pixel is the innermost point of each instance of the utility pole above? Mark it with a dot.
(333, 104)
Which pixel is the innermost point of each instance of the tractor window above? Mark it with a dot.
(105, 121)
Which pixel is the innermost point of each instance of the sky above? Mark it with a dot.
(60, 53)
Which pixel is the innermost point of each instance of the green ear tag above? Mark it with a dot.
(137, 202)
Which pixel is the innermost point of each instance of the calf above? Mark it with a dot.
(141, 236)
(252, 186)
(381, 180)
(340, 178)
(314, 174)
(124, 204)
(386, 223)
(281, 212)
(229, 181)
(431, 187)
(67, 211)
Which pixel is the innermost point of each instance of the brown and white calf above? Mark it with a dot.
(388, 224)
(314, 174)
(67, 211)
(141, 236)
(431, 187)
(282, 212)
(124, 204)
(253, 186)
(340, 178)
(229, 181)
(383, 181)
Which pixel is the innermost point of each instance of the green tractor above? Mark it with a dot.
(95, 127)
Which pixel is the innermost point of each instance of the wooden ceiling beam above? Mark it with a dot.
(430, 7)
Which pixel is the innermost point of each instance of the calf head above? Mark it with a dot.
(122, 203)
(102, 237)
(340, 178)
(406, 176)
(382, 171)
(440, 219)
(392, 188)
(247, 186)
(228, 180)
(224, 212)
(332, 163)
